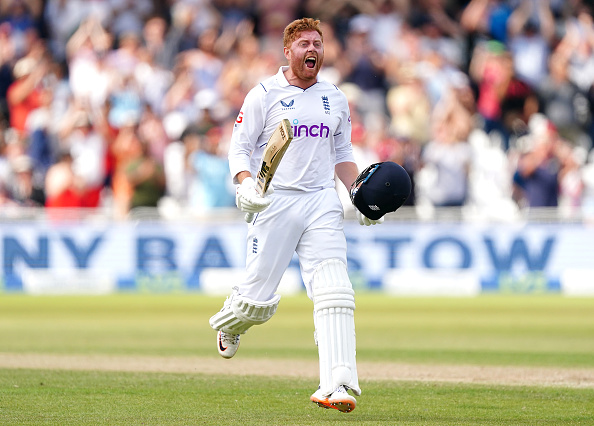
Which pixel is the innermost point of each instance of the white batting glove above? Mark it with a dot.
(364, 220)
(247, 198)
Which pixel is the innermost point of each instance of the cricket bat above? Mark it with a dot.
(273, 154)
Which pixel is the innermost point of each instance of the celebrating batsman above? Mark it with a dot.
(303, 214)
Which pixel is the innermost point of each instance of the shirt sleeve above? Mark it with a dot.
(342, 137)
(247, 129)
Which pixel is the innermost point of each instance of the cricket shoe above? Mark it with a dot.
(339, 400)
(227, 344)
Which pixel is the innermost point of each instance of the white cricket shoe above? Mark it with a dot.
(340, 400)
(227, 344)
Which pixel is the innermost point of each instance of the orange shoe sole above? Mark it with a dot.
(344, 406)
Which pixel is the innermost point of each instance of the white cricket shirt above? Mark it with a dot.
(321, 123)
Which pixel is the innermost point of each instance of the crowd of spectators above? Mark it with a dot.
(488, 104)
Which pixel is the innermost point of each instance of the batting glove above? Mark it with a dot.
(247, 198)
(364, 220)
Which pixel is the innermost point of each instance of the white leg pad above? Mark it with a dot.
(334, 306)
(239, 313)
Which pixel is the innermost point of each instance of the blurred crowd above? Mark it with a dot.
(124, 104)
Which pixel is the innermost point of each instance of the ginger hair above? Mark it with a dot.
(295, 28)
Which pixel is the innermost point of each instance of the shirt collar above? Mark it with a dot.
(282, 80)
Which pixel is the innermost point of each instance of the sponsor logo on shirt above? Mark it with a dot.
(314, 130)
(288, 105)
(239, 118)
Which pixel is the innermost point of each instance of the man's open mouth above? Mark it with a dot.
(310, 62)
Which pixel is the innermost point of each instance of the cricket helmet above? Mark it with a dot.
(381, 188)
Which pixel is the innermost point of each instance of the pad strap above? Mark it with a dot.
(239, 313)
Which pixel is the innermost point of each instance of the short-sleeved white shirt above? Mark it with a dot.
(321, 123)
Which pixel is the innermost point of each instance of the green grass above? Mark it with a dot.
(549, 331)
(80, 398)
(495, 330)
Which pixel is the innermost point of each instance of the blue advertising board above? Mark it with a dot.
(164, 256)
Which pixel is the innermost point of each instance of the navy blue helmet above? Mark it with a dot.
(381, 188)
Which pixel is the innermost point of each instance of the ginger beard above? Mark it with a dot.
(305, 56)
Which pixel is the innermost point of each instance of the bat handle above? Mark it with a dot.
(249, 217)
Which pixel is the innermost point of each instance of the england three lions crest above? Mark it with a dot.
(326, 104)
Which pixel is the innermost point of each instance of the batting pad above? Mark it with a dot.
(239, 313)
(334, 306)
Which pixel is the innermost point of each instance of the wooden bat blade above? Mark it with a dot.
(273, 154)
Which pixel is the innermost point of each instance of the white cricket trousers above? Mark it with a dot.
(309, 223)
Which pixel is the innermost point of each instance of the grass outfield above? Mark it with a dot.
(79, 398)
(549, 332)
